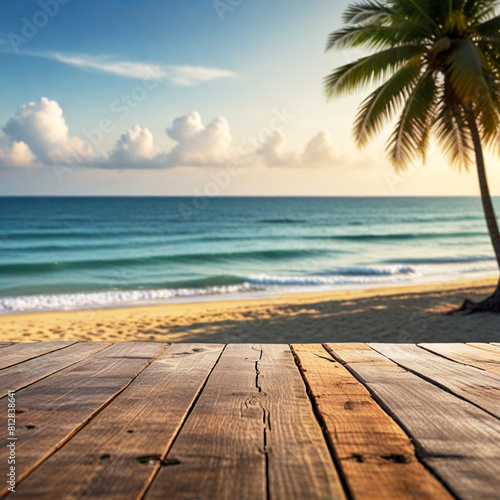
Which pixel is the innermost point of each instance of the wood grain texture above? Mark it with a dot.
(117, 452)
(55, 408)
(467, 354)
(453, 437)
(17, 353)
(495, 350)
(23, 374)
(251, 434)
(133, 420)
(220, 449)
(371, 448)
(6, 344)
(477, 386)
(299, 463)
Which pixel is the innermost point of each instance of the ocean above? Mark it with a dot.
(85, 252)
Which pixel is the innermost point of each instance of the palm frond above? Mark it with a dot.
(369, 70)
(490, 28)
(478, 11)
(424, 12)
(374, 36)
(410, 137)
(465, 68)
(451, 129)
(488, 114)
(432, 59)
(383, 103)
(367, 11)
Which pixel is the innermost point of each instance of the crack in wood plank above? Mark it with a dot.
(266, 418)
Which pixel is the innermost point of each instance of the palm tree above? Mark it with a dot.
(438, 66)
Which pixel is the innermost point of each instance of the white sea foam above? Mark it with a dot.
(72, 301)
(338, 278)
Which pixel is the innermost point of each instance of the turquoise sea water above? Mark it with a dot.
(70, 253)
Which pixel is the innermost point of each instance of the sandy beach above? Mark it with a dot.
(402, 314)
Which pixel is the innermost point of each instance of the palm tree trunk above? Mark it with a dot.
(489, 211)
(492, 303)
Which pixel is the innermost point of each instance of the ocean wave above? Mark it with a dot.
(217, 285)
(261, 255)
(98, 233)
(460, 259)
(72, 301)
(396, 236)
(442, 218)
(372, 271)
(339, 276)
(282, 221)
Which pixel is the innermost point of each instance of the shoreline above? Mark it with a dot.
(409, 313)
(244, 295)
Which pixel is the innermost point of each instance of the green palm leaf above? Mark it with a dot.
(437, 64)
(409, 139)
(454, 43)
(369, 70)
(383, 103)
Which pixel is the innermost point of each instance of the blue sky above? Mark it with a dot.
(228, 68)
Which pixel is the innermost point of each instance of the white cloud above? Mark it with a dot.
(41, 126)
(185, 127)
(184, 76)
(274, 154)
(197, 144)
(38, 135)
(188, 76)
(134, 146)
(104, 64)
(320, 150)
(17, 155)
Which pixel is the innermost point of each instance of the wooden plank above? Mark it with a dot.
(299, 463)
(6, 344)
(134, 432)
(23, 351)
(55, 408)
(495, 344)
(487, 347)
(477, 386)
(468, 355)
(453, 437)
(222, 439)
(252, 434)
(23, 374)
(371, 448)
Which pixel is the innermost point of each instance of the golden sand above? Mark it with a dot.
(402, 314)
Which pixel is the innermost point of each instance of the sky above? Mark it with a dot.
(188, 97)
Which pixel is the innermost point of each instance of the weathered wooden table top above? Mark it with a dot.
(207, 421)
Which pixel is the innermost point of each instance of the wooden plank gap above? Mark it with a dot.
(25, 351)
(113, 456)
(17, 377)
(156, 469)
(384, 452)
(486, 347)
(453, 438)
(465, 355)
(324, 429)
(452, 383)
(80, 426)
